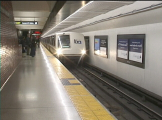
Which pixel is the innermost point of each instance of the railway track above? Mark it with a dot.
(123, 103)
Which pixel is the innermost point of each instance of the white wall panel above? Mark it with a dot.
(149, 78)
(153, 72)
(148, 23)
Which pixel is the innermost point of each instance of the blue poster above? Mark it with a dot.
(136, 50)
(122, 48)
(97, 44)
(136, 45)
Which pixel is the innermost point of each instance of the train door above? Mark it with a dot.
(86, 38)
(53, 44)
(53, 40)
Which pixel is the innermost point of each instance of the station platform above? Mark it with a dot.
(41, 88)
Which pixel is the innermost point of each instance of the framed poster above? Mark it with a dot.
(122, 45)
(100, 46)
(136, 50)
(97, 45)
(131, 49)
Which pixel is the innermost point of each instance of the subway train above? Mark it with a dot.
(66, 46)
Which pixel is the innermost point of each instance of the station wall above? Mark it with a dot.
(150, 77)
(10, 51)
(149, 23)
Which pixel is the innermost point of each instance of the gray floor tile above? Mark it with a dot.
(32, 93)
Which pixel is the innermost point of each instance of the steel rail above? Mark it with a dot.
(130, 99)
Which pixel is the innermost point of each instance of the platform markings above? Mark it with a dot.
(86, 104)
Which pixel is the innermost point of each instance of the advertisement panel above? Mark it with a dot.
(131, 49)
(103, 46)
(136, 50)
(100, 45)
(122, 47)
(97, 46)
(103, 43)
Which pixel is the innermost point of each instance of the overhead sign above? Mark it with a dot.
(26, 22)
(37, 32)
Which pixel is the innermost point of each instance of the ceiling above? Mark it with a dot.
(59, 14)
(32, 11)
(52, 19)
(85, 12)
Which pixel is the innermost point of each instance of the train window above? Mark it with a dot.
(64, 41)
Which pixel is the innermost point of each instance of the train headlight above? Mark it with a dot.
(59, 52)
(83, 52)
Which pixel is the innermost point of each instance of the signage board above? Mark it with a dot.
(26, 22)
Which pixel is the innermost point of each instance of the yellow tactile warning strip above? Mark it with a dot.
(73, 81)
(60, 69)
(46, 51)
(88, 107)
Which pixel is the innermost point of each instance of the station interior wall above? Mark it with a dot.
(10, 51)
(149, 78)
(148, 23)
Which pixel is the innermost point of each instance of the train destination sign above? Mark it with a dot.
(26, 22)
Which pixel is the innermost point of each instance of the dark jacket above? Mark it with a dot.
(23, 42)
(33, 42)
(28, 41)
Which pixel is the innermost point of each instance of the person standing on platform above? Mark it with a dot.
(38, 42)
(23, 46)
(33, 46)
(28, 41)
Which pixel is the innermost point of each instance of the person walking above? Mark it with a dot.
(33, 46)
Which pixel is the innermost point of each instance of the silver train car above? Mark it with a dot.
(66, 46)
